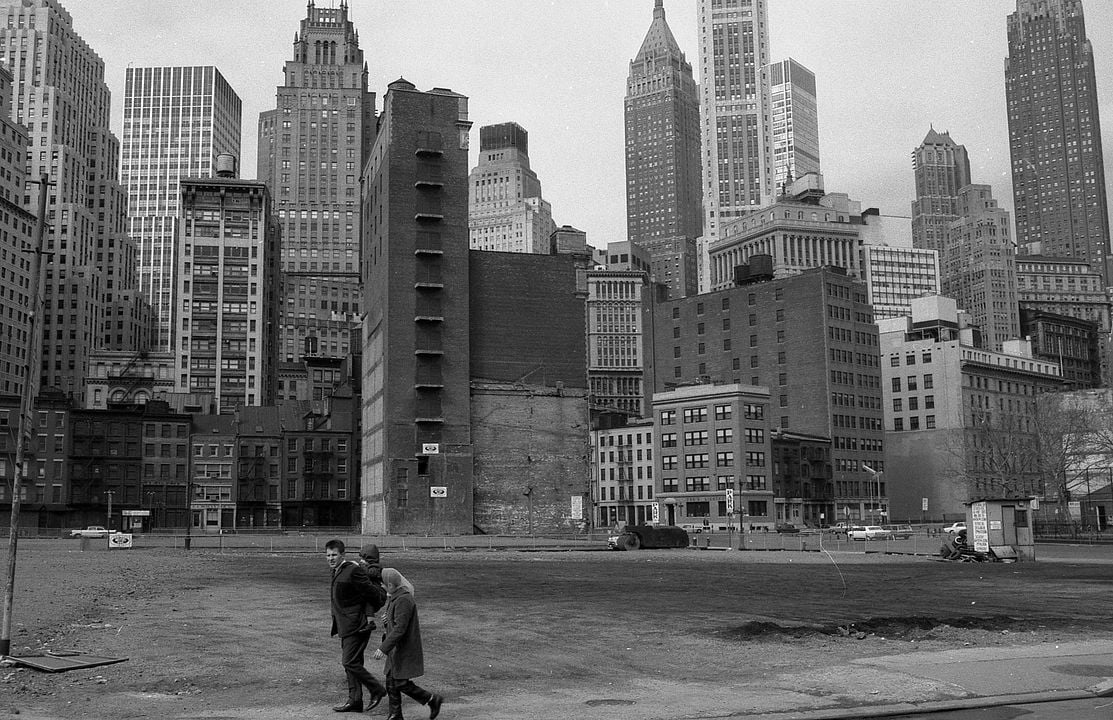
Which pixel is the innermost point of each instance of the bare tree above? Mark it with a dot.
(1071, 431)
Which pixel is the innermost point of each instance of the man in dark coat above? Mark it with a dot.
(401, 647)
(353, 594)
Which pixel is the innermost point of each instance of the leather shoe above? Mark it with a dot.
(376, 698)
(435, 706)
(350, 706)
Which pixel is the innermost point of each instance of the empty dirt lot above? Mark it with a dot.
(511, 634)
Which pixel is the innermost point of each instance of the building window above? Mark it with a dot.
(898, 424)
(668, 417)
(693, 415)
(723, 412)
(724, 459)
(896, 384)
(912, 384)
(668, 440)
(724, 435)
(928, 383)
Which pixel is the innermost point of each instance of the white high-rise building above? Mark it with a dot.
(176, 121)
(794, 122)
(733, 49)
(505, 209)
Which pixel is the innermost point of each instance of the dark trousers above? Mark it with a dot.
(394, 690)
(351, 657)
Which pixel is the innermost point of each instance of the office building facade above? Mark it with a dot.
(176, 121)
(978, 266)
(17, 227)
(312, 148)
(1058, 170)
(506, 212)
(227, 271)
(794, 122)
(733, 48)
(71, 143)
(810, 338)
(958, 418)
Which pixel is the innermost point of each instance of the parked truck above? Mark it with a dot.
(633, 537)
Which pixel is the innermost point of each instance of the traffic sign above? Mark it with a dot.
(438, 491)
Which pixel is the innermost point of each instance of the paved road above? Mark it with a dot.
(1090, 709)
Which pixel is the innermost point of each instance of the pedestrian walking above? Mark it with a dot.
(353, 595)
(401, 648)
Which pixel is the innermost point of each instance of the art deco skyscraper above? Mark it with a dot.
(941, 168)
(505, 209)
(176, 121)
(734, 46)
(663, 175)
(60, 95)
(1054, 134)
(311, 150)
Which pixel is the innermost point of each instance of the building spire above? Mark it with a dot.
(659, 9)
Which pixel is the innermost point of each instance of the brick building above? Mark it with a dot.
(710, 439)
(810, 339)
(529, 413)
(416, 399)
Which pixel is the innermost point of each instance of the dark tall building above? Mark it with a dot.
(941, 169)
(1059, 193)
(311, 150)
(664, 213)
(416, 397)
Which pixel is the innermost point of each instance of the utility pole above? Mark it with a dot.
(108, 522)
(27, 401)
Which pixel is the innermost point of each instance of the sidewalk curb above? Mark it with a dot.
(934, 706)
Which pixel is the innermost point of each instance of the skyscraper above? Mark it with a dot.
(734, 46)
(311, 150)
(663, 176)
(16, 231)
(61, 97)
(941, 169)
(1055, 135)
(794, 122)
(176, 121)
(505, 209)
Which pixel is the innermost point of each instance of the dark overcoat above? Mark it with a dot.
(402, 638)
(353, 594)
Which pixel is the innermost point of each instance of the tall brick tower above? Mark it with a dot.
(417, 460)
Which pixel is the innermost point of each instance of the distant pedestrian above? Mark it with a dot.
(353, 595)
(401, 648)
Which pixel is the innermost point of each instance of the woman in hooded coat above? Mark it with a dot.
(401, 647)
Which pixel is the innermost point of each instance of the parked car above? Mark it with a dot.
(787, 528)
(956, 527)
(93, 531)
(902, 532)
(869, 532)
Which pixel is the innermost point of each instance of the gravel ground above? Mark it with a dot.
(512, 634)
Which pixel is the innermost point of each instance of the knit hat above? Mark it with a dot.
(370, 553)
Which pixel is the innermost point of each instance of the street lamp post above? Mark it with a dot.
(876, 480)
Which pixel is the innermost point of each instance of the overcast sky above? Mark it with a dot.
(886, 70)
